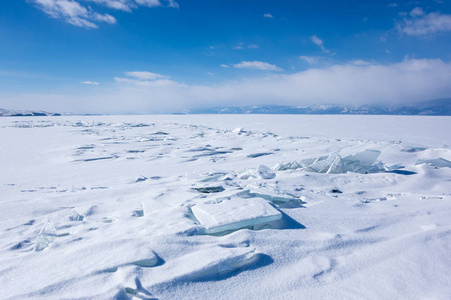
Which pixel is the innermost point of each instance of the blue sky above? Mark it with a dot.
(144, 56)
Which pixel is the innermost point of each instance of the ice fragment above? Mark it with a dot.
(361, 162)
(265, 172)
(47, 235)
(209, 189)
(233, 214)
(435, 162)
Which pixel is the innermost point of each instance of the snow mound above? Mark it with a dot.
(151, 205)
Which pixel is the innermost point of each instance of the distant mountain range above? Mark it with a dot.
(25, 113)
(439, 107)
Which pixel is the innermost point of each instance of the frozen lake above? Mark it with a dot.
(225, 206)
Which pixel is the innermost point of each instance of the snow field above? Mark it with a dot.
(187, 207)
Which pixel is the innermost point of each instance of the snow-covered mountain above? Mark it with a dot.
(439, 107)
(25, 113)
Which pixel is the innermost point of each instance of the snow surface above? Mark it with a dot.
(104, 207)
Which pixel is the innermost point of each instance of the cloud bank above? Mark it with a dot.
(405, 82)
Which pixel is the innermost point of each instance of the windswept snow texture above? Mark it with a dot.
(225, 207)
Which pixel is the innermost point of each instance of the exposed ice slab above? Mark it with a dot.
(333, 164)
(245, 175)
(64, 216)
(269, 196)
(47, 235)
(265, 172)
(216, 176)
(75, 216)
(287, 166)
(413, 149)
(209, 189)
(255, 155)
(141, 178)
(361, 162)
(436, 162)
(234, 214)
(365, 158)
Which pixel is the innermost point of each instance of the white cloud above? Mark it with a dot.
(417, 12)
(225, 66)
(142, 75)
(148, 83)
(76, 14)
(268, 16)
(392, 5)
(404, 82)
(149, 79)
(259, 65)
(310, 59)
(173, 4)
(240, 46)
(149, 3)
(124, 5)
(90, 82)
(73, 13)
(419, 23)
(319, 42)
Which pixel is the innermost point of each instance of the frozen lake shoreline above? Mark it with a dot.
(107, 202)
